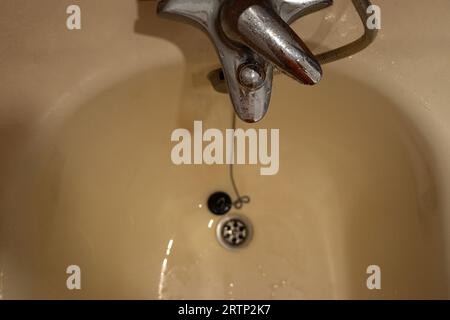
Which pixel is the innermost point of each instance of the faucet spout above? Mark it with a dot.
(256, 24)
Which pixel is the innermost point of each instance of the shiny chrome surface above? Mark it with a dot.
(255, 24)
(289, 13)
(251, 37)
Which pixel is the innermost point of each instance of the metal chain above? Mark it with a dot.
(241, 200)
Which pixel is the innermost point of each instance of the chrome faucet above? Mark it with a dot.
(252, 37)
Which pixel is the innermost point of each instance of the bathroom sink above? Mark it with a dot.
(86, 177)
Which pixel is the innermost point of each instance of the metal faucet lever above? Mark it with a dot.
(257, 25)
(251, 37)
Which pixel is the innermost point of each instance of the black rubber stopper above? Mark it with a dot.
(219, 203)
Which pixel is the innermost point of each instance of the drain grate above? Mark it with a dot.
(234, 231)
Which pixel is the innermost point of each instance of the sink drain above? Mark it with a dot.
(234, 231)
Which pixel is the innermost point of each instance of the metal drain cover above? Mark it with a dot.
(234, 231)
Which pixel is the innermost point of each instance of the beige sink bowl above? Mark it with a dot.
(86, 177)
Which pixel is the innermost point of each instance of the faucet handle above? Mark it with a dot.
(257, 25)
(251, 36)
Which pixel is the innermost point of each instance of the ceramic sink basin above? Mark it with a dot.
(86, 177)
